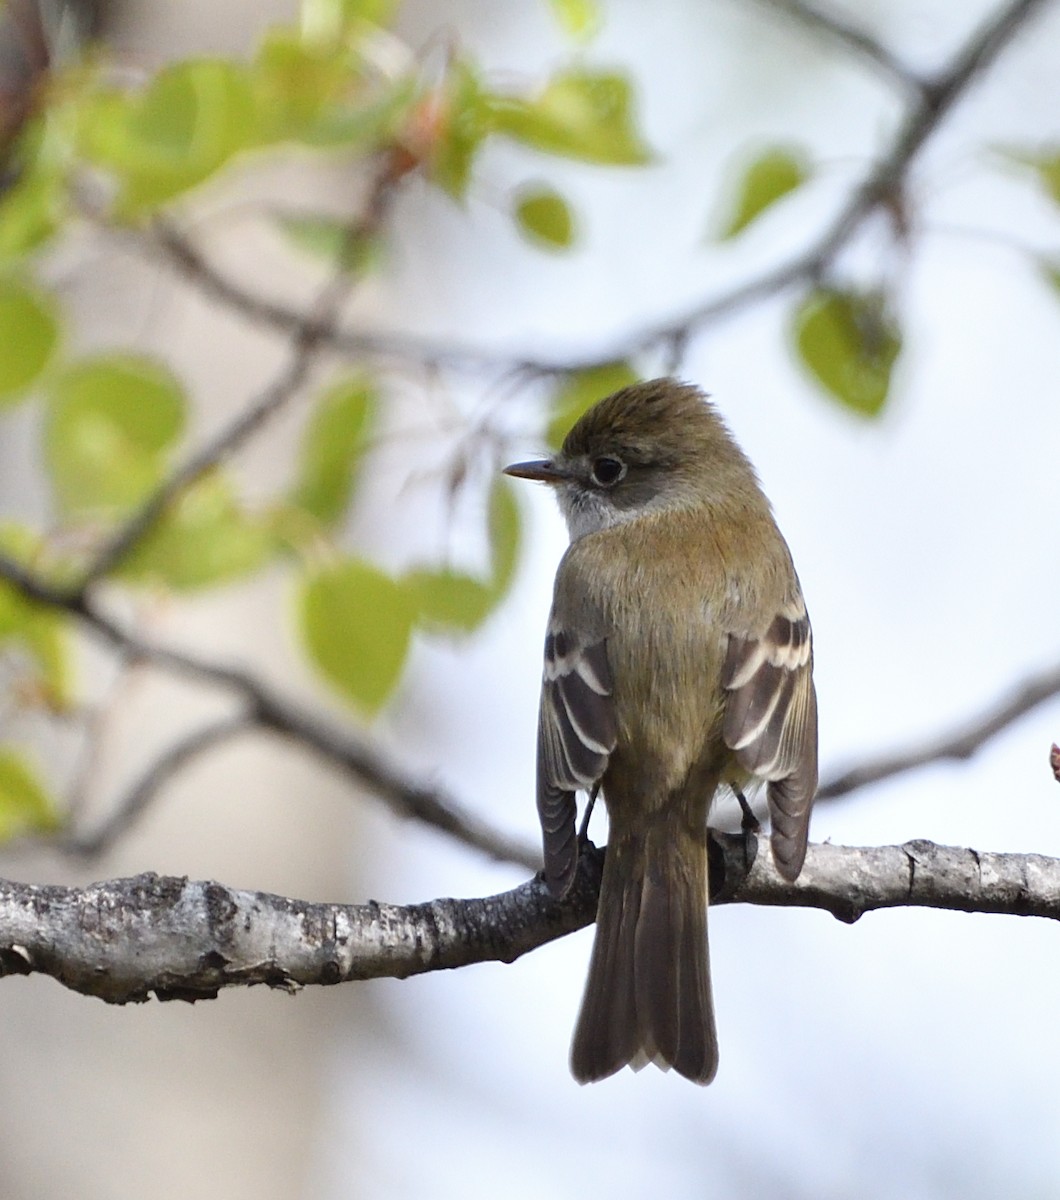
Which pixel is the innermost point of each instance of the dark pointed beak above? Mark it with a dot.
(544, 470)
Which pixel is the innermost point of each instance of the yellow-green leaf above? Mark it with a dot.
(332, 449)
(580, 391)
(464, 118)
(455, 600)
(187, 123)
(1044, 162)
(25, 804)
(450, 599)
(110, 423)
(329, 20)
(773, 175)
(579, 19)
(329, 239)
(321, 93)
(580, 114)
(29, 333)
(43, 633)
(1051, 272)
(203, 539)
(357, 623)
(31, 209)
(849, 342)
(545, 217)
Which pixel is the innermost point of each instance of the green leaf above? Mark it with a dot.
(30, 212)
(44, 635)
(464, 117)
(203, 539)
(328, 238)
(332, 449)
(29, 332)
(110, 424)
(295, 84)
(579, 19)
(772, 176)
(330, 20)
(849, 342)
(1048, 169)
(449, 598)
(42, 632)
(321, 94)
(1045, 162)
(504, 526)
(580, 114)
(357, 623)
(25, 805)
(545, 217)
(1051, 271)
(190, 120)
(580, 391)
(455, 600)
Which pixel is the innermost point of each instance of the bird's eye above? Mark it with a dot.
(608, 471)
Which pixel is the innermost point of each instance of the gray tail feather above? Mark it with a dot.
(648, 996)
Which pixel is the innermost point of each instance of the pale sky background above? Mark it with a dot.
(913, 1055)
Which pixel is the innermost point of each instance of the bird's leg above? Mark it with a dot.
(583, 832)
(751, 827)
(749, 823)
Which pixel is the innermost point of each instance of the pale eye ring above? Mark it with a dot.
(607, 471)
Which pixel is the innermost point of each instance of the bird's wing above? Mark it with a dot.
(771, 724)
(575, 737)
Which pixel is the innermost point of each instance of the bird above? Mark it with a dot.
(678, 667)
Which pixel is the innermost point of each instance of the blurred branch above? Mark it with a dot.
(960, 743)
(182, 254)
(410, 798)
(308, 334)
(881, 187)
(849, 35)
(132, 805)
(405, 796)
(931, 99)
(130, 938)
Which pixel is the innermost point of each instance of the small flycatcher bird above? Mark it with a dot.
(678, 661)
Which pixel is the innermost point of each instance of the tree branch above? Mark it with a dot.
(308, 333)
(134, 803)
(404, 795)
(410, 798)
(931, 100)
(186, 258)
(854, 38)
(960, 743)
(130, 938)
(879, 188)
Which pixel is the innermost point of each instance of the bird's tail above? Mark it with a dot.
(648, 996)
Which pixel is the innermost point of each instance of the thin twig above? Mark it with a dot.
(410, 798)
(931, 100)
(127, 811)
(853, 37)
(281, 390)
(960, 743)
(880, 186)
(308, 334)
(194, 266)
(128, 939)
(403, 794)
